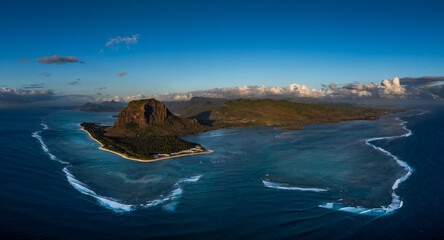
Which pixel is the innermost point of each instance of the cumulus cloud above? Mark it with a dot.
(58, 60)
(386, 89)
(291, 91)
(121, 74)
(14, 95)
(23, 59)
(125, 40)
(391, 87)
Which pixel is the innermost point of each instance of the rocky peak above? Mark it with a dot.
(143, 113)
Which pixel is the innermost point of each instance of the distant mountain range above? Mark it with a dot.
(183, 107)
(109, 106)
(176, 107)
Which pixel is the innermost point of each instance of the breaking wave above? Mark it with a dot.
(37, 135)
(45, 127)
(169, 202)
(172, 197)
(106, 202)
(396, 199)
(284, 186)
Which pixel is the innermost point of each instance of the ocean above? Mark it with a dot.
(350, 180)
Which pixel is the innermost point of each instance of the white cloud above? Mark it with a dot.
(21, 95)
(392, 87)
(119, 39)
(387, 89)
(291, 91)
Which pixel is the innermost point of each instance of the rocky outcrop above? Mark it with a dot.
(143, 113)
(152, 116)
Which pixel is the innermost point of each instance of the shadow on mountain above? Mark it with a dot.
(203, 118)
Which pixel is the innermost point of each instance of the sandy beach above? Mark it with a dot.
(143, 160)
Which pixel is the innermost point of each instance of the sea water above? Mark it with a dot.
(348, 180)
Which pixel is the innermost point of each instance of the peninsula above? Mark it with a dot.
(146, 130)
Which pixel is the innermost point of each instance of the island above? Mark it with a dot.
(146, 130)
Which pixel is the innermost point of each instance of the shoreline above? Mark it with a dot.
(142, 160)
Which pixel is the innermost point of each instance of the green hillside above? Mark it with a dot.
(245, 113)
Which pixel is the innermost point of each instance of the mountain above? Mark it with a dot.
(146, 130)
(150, 116)
(107, 106)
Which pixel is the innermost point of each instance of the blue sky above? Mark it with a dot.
(185, 46)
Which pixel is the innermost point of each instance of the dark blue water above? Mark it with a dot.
(334, 181)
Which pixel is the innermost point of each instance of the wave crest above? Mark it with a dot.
(396, 199)
(284, 186)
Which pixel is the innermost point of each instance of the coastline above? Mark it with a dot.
(143, 160)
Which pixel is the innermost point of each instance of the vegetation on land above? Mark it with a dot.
(142, 146)
(266, 112)
(146, 127)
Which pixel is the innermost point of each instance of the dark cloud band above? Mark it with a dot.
(58, 60)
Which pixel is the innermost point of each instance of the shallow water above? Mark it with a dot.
(338, 180)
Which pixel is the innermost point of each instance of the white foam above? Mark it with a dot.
(111, 203)
(173, 196)
(103, 201)
(117, 206)
(191, 179)
(284, 186)
(45, 148)
(326, 205)
(396, 199)
(355, 210)
(396, 202)
(418, 114)
(170, 207)
(45, 127)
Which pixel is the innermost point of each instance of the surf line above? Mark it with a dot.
(116, 205)
(37, 136)
(169, 202)
(284, 186)
(396, 199)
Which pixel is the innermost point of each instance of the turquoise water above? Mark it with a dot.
(328, 180)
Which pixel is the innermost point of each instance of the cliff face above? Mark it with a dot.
(143, 113)
(152, 116)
